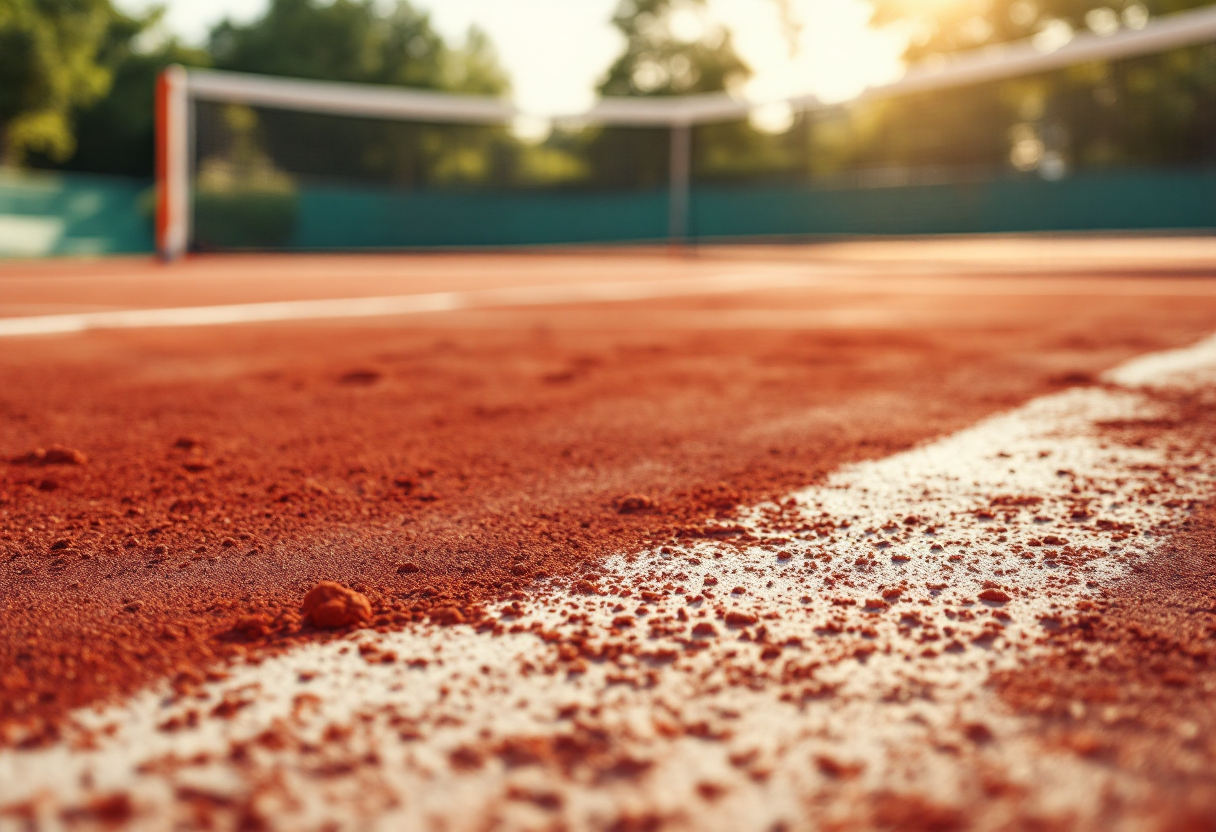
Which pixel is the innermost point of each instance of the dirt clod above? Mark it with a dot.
(54, 455)
(331, 606)
(634, 503)
(447, 616)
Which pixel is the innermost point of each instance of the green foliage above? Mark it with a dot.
(118, 133)
(671, 48)
(1149, 111)
(52, 61)
(241, 200)
(1152, 110)
(951, 25)
(59, 57)
(112, 110)
(357, 41)
(245, 218)
(473, 67)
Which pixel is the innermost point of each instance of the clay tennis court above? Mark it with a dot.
(858, 535)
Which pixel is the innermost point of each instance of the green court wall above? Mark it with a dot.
(347, 218)
(54, 214)
(46, 214)
(1114, 201)
(331, 218)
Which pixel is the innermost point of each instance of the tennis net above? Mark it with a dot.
(1114, 132)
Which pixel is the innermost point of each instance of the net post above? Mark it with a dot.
(172, 164)
(678, 186)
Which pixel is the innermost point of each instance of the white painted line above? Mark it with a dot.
(872, 610)
(303, 310)
(824, 278)
(1169, 368)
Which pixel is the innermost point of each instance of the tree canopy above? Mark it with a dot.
(79, 68)
(357, 41)
(118, 131)
(52, 62)
(671, 48)
(1150, 110)
(943, 27)
(105, 91)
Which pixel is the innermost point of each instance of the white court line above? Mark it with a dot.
(869, 644)
(1167, 368)
(304, 310)
(824, 277)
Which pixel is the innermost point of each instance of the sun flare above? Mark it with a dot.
(835, 56)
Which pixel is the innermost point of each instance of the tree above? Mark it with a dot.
(345, 41)
(942, 27)
(1148, 110)
(357, 41)
(118, 132)
(51, 63)
(473, 67)
(671, 48)
(253, 162)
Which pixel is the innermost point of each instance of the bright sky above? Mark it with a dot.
(556, 50)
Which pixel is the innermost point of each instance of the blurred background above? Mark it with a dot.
(1102, 144)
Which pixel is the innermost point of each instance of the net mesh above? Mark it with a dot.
(1150, 111)
(1127, 143)
(267, 177)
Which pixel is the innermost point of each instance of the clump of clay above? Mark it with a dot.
(330, 605)
(634, 503)
(251, 627)
(447, 615)
(54, 455)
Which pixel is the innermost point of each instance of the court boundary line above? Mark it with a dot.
(392, 305)
(823, 277)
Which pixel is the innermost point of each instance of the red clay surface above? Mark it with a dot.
(446, 461)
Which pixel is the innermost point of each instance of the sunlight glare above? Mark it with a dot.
(773, 118)
(531, 129)
(836, 57)
(686, 24)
